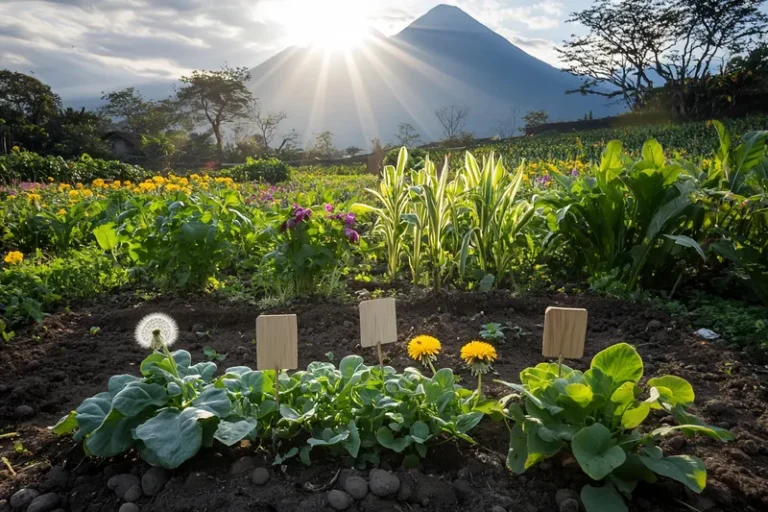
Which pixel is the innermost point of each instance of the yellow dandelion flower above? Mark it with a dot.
(158, 179)
(98, 183)
(63, 187)
(31, 197)
(14, 257)
(424, 346)
(478, 352)
(61, 211)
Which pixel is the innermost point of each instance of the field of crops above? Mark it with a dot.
(103, 277)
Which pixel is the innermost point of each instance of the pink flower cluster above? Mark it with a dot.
(348, 219)
(299, 215)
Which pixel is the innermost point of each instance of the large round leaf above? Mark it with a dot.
(634, 416)
(674, 390)
(214, 400)
(602, 499)
(686, 469)
(596, 452)
(620, 362)
(172, 437)
(137, 396)
(113, 436)
(229, 432)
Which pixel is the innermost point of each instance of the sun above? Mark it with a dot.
(329, 24)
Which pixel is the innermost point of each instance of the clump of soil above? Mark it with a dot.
(43, 380)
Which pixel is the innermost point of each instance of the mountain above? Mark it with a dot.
(443, 58)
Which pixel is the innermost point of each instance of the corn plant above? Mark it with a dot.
(394, 199)
(495, 217)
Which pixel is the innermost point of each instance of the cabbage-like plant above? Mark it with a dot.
(597, 415)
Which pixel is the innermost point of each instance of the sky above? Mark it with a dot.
(84, 47)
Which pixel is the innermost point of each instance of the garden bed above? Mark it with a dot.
(49, 370)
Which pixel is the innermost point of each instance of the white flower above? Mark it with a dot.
(155, 330)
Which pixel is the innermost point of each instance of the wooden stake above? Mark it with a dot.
(381, 356)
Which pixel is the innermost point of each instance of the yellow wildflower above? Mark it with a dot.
(14, 257)
(424, 349)
(63, 187)
(478, 352)
(61, 211)
(98, 183)
(32, 197)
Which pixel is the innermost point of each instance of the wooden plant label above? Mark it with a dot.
(378, 322)
(565, 330)
(277, 346)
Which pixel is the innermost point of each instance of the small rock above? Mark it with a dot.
(198, 328)
(356, 487)
(565, 494)
(497, 508)
(110, 471)
(383, 483)
(569, 505)
(23, 497)
(653, 325)
(3, 389)
(32, 365)
(463, 474)
(530, 507)
(676, 443)
(44, 503)
(154, 481)
(463, 489)
(750, 447)
(56, 478)
(717, 407)
(243, 465)
(133, 494)
(121, 483)
(260, 476)
(347, 323)
(406, 491)
(129, 507)
(23, 411)
(339, 500)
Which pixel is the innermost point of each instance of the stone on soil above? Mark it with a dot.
(56, 478)
(339, 500)
(23, 411)
(154, 481)
(129, 507)
(383, 483)
(565, 494)
(497, 508)
(23, 497)
(44, 503)
(569, 505)
(133, 494)
(260, 476)
(121, 483)
(243, 465)
(356, 487)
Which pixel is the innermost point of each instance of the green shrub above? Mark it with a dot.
(31, 289)
(28, 166)
(356, 411)
(331, 170)
(415, 158)
(267, 170)
(595, 415)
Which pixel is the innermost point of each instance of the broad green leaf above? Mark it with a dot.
(419, 431)
(348, 365)
(686, 241)
(65, 425)
(91, 414)
(518, 450)
(386, 439)
(620, 362)
(338, 438)
(653, 153)
(602, 499)
(466, 422)
(118, 382)
(106, 236)
(137, 396)
(173, 437)
(680, 389)
(580, 393)
(634, 416)
(113, 436)
(352, 443)
(214, 400)
(625, 394)
(230, 433)
(444, 377)
(686, 469)
(596, 452)
(538, 447)
(611, 159)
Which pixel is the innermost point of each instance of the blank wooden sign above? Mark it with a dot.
(565, 330)
(277, 344)
(378, 322)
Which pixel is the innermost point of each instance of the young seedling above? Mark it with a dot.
(94, 331)
(493, 332)
(212, 355)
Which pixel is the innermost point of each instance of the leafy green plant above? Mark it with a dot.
(596, 416)
(174, 408)
(267, 170)
(212, 355)
(493, 332)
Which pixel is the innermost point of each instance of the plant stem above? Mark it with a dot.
(432, 367)
(171, 361)
(479, 387)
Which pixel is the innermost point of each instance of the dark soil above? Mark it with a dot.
(53, 367)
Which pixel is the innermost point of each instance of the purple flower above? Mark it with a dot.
(328, 207)
(349, 219)
(352, 235)
(575, 173)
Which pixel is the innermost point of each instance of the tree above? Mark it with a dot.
(677, 39)
(74, 132)
(407, 135)
(535, 118)
(217, 97)
(353, 150)
(290, 142)
(130, 112)
(268, 124)
(507, 128)
(323, 146)
(452, 119)
(25, 99)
